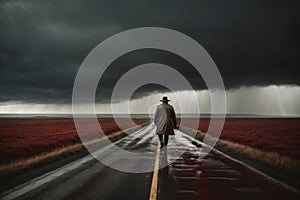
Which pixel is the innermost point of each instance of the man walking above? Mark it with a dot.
(165, 120)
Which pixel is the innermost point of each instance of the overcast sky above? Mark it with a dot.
(42, 43)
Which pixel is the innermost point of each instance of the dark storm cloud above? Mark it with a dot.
(42, 43)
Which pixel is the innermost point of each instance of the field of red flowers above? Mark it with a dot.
(270, 135)
(21, 139)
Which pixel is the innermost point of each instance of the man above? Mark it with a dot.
(165, 120)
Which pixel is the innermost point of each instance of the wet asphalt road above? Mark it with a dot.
(217, 176)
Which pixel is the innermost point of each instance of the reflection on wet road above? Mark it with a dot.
(185, 175)
(216, 176)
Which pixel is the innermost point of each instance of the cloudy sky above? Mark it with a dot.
(254, 43)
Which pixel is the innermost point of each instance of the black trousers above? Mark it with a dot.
(163, 140)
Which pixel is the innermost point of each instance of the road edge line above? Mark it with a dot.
(35, 183)
(273, 179)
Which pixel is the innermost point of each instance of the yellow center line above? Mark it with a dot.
(153, 192)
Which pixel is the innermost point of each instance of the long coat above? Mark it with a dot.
(165, 119)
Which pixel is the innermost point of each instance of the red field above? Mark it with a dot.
(23, 139)
(27, 138)
(271, 135)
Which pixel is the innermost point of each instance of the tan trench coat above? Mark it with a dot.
(165, 119)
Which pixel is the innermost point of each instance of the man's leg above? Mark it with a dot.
(161, 140)
(166, 140)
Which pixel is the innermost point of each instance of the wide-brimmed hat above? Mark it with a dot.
(165, 99)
